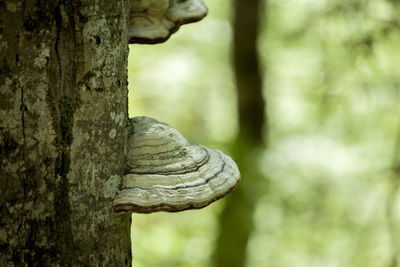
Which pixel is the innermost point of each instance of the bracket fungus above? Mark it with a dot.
(165, 172)
(153, 21)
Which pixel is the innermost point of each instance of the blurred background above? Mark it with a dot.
(304, 95)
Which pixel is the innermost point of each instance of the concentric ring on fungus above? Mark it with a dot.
(154, 21)
(167, 173)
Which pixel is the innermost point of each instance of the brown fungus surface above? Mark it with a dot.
(153, 21)
(167, 173)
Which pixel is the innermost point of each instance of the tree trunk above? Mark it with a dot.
(236, 218)
(63, 113)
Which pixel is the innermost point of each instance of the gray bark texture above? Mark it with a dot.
(63, 114)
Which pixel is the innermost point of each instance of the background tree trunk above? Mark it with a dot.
(63, 113)
(236, 218)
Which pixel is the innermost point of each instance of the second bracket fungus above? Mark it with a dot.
(167, 173)
(153, 21)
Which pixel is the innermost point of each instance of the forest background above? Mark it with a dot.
(328, 176)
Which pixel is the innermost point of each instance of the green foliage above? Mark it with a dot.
(332, 85)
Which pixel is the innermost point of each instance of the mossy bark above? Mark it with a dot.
(63, 113)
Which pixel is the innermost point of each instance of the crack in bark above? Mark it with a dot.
(22, 109)
(19, 63)
(57, 48)
(64, 238)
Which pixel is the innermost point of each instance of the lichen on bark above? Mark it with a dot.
(63, 71)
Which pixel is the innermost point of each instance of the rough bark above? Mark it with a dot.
(63, 111)
(236, 218)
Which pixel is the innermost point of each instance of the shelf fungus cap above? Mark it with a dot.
(186, 11)
(153, 21)
(167, 173)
